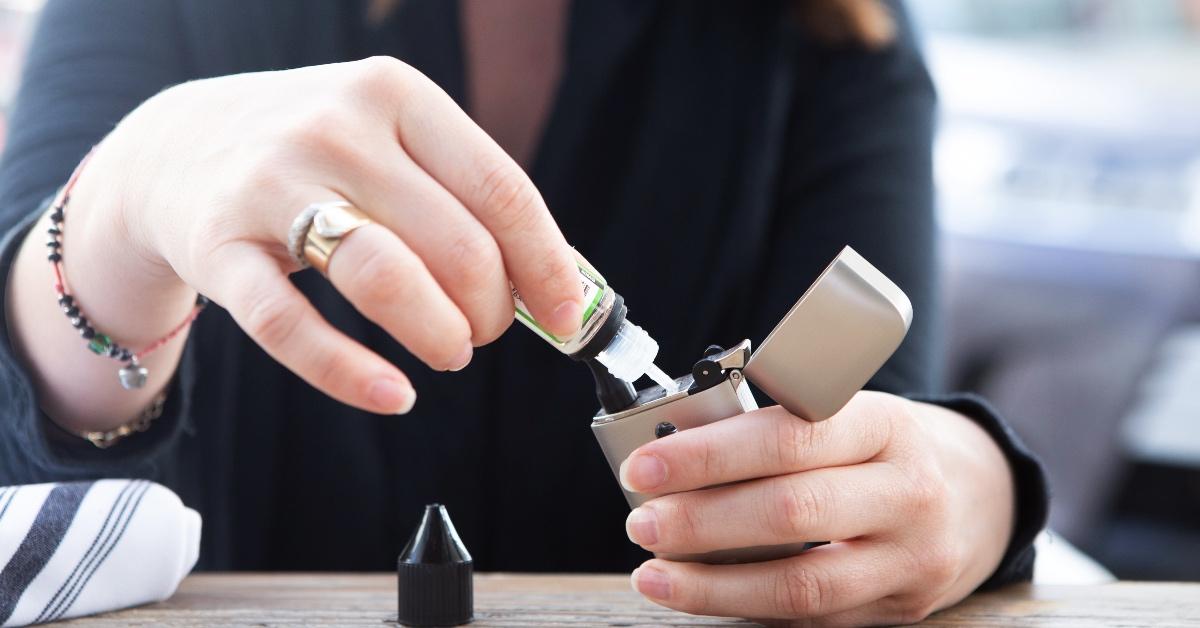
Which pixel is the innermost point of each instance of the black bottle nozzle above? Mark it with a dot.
(614, 394)
(434, 572)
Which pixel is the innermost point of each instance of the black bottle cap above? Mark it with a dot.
(608, 330)
(434, 573)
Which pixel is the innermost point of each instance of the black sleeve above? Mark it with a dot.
(89, 64)
(857, 170)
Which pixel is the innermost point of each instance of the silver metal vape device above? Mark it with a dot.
(844, 327)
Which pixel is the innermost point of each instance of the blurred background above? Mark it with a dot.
(1068, 173)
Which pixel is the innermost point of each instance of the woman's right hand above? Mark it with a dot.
(202, 182)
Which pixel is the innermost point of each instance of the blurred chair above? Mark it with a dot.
(1064, 343)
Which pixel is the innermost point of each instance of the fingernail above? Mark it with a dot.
(463, 359)
(392, 396)
(642, 526)
(567, 318)
(651, 582)
(410, 400)
(643, 472)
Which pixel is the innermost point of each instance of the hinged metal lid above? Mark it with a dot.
(833, 340)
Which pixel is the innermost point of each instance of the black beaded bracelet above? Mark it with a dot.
(133, 374)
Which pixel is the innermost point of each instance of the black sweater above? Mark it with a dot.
(707, 157)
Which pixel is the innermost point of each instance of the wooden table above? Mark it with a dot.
(578, 600)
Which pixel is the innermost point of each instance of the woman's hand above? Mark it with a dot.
(198, 188)
(917, 501)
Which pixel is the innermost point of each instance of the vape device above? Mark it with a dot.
(844, 327)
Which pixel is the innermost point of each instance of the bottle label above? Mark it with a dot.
(594, 288)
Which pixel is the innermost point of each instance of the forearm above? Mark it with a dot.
(125, 295)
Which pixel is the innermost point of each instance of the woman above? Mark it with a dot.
(708, 158)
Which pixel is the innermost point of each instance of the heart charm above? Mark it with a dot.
(133, 376)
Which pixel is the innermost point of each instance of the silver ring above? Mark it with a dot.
(301, 225)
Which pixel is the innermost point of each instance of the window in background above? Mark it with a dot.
(15, 21)
(1070, 123)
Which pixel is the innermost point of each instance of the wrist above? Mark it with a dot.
(124, 284)
(981, 482)
(109, 207)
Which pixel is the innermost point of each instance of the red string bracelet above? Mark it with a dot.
(133, 375)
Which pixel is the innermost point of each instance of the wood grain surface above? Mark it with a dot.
(607, 600)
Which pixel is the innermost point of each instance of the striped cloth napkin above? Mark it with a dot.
(75, 549)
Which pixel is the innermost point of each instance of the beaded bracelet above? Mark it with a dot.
(133, 375)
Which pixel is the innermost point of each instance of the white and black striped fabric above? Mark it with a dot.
(80, 548)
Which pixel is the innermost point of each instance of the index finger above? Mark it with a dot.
(273, 312)
(765, 442)
(446, 143)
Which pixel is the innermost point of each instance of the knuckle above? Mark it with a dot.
(332, 369)
(925, 491)
(244, 203)
(475, 259)
(792, 440)
(379, 76)
(886, 420)
(913, 611)
(682, 526)
(380, 281)
(213, 233)
(509, 197)
(800, 592)
(559, 272)
(487, 326)
(487, 333)
(894, 416)
(321, 122)
(883, 416)
(264, 176)
(795, 506)
(699, 598)
(474, 248)
(484, 298)
(382, 286)
(941, 563)
(379, 66)
(270, 318)
(709, 460)
(322, 137)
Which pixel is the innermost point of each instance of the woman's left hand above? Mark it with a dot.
(916, 499)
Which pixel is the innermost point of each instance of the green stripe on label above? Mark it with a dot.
(596, 278)
(529, 319)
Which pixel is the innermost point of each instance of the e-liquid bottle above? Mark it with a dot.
(605, 336)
